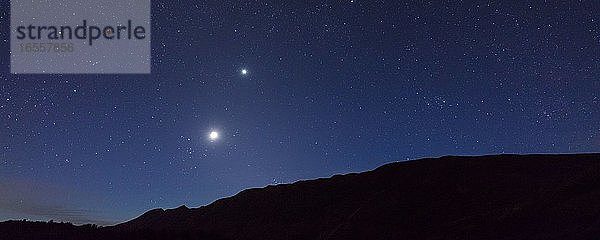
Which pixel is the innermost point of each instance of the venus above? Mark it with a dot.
(213, 136)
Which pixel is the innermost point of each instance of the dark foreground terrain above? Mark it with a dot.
(489, 197)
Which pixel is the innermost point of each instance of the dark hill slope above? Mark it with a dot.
(489, 197)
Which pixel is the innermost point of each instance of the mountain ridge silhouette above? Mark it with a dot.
(478, 197)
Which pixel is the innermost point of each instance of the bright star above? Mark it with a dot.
(213, 136)
(244, 71)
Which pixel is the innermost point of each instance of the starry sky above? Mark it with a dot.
(330, 87)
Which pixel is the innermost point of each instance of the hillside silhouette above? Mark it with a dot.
(487, 197)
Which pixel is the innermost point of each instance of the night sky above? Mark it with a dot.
(330, 87)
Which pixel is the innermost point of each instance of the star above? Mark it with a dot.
(244, 71)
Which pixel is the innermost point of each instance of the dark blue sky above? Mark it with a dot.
(333, 87)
